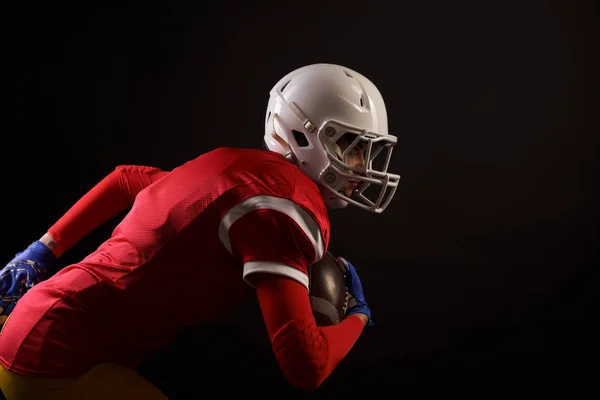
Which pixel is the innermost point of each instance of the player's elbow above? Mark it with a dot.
(302, 354)
(311, 385)
(304, 377)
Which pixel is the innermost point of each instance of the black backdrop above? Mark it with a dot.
(480, 274)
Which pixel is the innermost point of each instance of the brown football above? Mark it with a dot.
(329, 297)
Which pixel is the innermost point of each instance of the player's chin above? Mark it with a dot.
(349, 189)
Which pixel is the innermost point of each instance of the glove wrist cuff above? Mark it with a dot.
(46, 256)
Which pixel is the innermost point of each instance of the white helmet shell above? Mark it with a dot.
(314, 106)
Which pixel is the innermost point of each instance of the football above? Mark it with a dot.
(329, 297)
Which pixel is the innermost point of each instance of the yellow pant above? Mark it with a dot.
(106, 381)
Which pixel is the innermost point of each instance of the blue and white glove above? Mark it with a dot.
(27, 269)
(356, 290)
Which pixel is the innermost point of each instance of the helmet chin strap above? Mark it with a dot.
(331, 200)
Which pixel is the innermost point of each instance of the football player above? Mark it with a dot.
(195, 242)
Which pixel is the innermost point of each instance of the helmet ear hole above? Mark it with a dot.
(300, 138)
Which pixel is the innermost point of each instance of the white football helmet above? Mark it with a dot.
(311, 108)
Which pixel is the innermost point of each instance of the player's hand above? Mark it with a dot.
(356, 290)
(27, 269)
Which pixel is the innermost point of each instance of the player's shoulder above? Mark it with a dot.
(241, 164)
(266, 166)
(239, 157)
(267, 163)
(276, 168)
(270, 175)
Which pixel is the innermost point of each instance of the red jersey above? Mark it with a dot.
(184, 254)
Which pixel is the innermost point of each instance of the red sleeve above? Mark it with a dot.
(277, 240)
(110, 196)
(307, 354)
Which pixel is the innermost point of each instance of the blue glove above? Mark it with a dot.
(356, 290)
(28, 268)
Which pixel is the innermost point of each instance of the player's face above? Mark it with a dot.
(355, 158)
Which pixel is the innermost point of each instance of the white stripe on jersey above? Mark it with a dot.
(274, 268)
(309, 226)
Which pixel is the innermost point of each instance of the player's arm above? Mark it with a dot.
(113, 194)
(277, 240)
(306, 353)
(104, 201)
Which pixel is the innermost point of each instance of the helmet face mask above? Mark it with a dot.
(315, 106)
(371, 177)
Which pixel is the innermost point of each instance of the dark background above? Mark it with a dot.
(482, 274)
